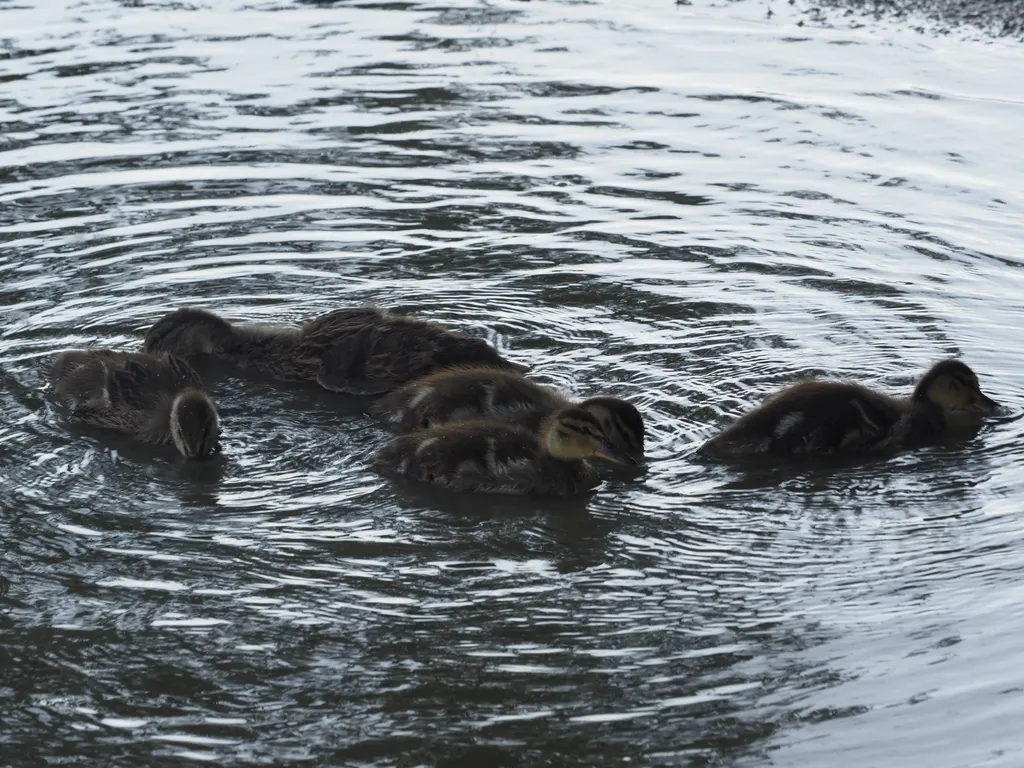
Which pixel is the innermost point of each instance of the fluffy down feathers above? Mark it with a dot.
(478, 392)
(826, 418)
(483, 457)
(359, 351)
(155, 398)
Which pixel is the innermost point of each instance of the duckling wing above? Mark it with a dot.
(813, 418)
(476, 456)
(372, 359)
(65, 369)
(363, 351)
(94, 385)
(405, 349)
(77, 377)
(182, 375)
(341, 320)
(462, 393)
(139, 381)
(345, 365)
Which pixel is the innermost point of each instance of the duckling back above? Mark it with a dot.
(360, 351)
(264, 347)
(128, 381)
(482, 457)
(458, 394)
(374, 354)
(139, 394)
(820, 417)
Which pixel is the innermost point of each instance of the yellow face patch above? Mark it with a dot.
(574, 438)
(953, 393)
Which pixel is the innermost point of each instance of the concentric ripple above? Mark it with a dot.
(687, 206)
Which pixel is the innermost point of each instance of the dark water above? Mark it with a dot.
(687, 207)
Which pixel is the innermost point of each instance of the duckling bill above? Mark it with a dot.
(360, 351)
(830, 418)
(490, 457)
(153, 398)
(479, 392)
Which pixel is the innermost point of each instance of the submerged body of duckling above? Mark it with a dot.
(154, 398)
(833, 418)
(360, 351)
(483, 456)
(479, 392)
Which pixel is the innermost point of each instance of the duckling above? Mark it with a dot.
(155, 398)
(480, 392)
(359, 351)
(826, 417)
(484, 456)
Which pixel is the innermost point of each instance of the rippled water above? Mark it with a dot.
(684, 206)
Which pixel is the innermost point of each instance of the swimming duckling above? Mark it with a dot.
(480, 392)
(155, 398)
(359, 351)
(826, 417)
(490, 457)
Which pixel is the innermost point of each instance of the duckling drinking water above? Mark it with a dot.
(480, 392)
(490, 457)
(826, 417)
(155, 398)
(359, 351)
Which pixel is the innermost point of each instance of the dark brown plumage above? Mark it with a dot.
(357, 351)
(462, 393)
(823, 417)
(155, 398)
(490, 457)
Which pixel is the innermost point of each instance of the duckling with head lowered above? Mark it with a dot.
(490, 457)
(479, 392)
(359, 351)
(828, 418)
(154, 398)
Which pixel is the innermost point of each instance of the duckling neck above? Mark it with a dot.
(927, 421)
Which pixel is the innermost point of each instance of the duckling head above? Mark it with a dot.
(574, 433)
(195, 428)
(622, 424)
(953, 387)
(187, 331)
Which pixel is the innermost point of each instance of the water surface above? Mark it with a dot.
(688, 207)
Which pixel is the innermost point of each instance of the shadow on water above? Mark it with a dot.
(483, 507)
(950, 456)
